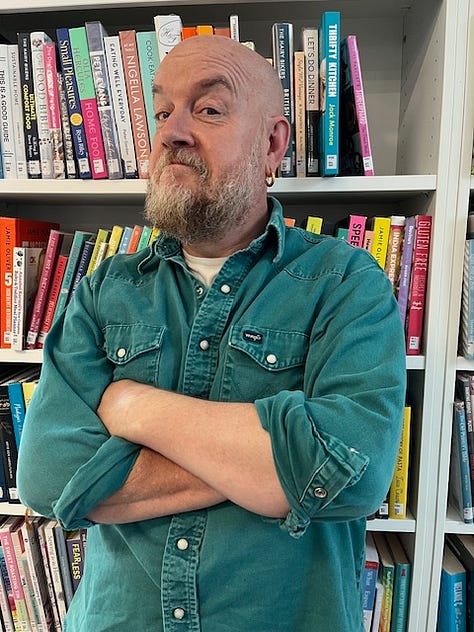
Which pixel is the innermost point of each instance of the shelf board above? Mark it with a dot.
(464, 365)
(454, 524)
(129, 191)
(408, 525)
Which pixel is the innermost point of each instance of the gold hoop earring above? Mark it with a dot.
(270, 179)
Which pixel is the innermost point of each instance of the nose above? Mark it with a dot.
(176, 130)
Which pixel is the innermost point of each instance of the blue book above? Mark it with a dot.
(369, 579)
(452, 596)
(73, 104)
(125, 240)
(81, 271)
(460, 475)
(462, 544)
(17, 401)
(283, 53)
(329, 71)
(149, 61)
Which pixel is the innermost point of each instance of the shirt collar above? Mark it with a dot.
(166, 247)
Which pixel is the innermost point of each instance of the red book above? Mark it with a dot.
(58, 242)
(136, 102)
(52, 299)
(419, 274)
(355, 235)
(15, 232)
(134, 239)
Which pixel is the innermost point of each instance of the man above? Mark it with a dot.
(223, 409)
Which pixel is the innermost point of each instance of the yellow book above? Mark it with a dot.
(101, 237)
(154, 234)
(381, 228)
(204, 29)
(28, 389)
(314, 224)
(114, 240)
(397, 505)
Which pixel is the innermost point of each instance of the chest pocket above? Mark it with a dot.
(262, 362)
(134, 350)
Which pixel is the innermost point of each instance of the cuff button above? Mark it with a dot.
(320, 492)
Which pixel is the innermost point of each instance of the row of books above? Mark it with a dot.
(461, 480)
(385, 583)
(41, 566)
(456, 596)
(401, 245)
(41, 267)
(466, 327)
(80, 105)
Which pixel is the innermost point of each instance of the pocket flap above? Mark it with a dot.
(125, 342)
(272, 349)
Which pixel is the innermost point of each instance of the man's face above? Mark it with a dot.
(207, 162)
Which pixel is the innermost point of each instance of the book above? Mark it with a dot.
(125, 239)
(354, 138)
(113, 56)
(62, 556)
(374, 626)
(59, 242)
(369, 580)
(52, 297)
(46, 528)
(136, 102)
(168, 32)
(283, 54)
(144, 238)
(398, 496)
(381, 233)
(300, 114)
(27, 264)
(405, 267)
(114, 240)
(394, 249)
(101, 237)
(78, 240)
(452, 594)
(30, 123)
(460, 490)
(25, 575)
(386, 577)
(462, 545)
(310, 41)
(68, 144)
(419, 276)
(81, 271)
(16, 232)
(204, 29)
(329, 70)
(7, 602)
(234, 27)
(314, 224)
(467, 303)
(17, 111)
(95, 33)
(88, 101)
(17, 400)
(39, 524)
(7, 140)
(355, 225)
(7, 528)
(134, 239)
(54, 109)
(75, 546)
(463, 389)
(38, 39)
(188, 31)
(401, 584)
(73, 104)
(149, 61)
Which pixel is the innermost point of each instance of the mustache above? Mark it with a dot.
(181, 157)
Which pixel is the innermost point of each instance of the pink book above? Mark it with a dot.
(52, 300)
(54, 112)
(419, 274)
(355, 235)
(13, 570)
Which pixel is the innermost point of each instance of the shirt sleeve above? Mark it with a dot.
(335, 442)
(67, 461)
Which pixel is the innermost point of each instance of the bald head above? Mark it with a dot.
(251, 74)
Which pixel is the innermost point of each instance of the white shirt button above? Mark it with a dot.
(320, 492)
(182, 544)
(225, 289)
(199, 290)
(178, 613)
(271, 358)
(121, 352)
(204, 344)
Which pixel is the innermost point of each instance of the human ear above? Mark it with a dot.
(279, 136)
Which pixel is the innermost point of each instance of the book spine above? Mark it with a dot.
(131, 68)
(7, 603)
(134, 239)
(88, 101)
(8, 445)
(168, 33)
(120, 103)
(17, 111)
(17, 406)
(60, 542)
(73, 103)
(100, 238)
(114, 241)
(467, 302)
(7, 141)
(54, 569)
(30, 123)
(283, 55)
(125, 240)
(394, 249)
(53, 109)
(69, 159)
(329, 69)
(405, 267)
(234, 27)
(38, 39)
(83, 265)
(381, 229)
(144, 238)
(356, 230)
(419, 274)
(18, 297)
(399, 487)
(95, 34)
(359, 98)
(14, 575)
(460, 437)
(44, 559)
(149, 61)
(56, 281)
(300, 114)
(310, 37)
(75, 552)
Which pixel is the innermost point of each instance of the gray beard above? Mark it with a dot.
(210, 211)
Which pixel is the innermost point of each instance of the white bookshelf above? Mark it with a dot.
(414, 55)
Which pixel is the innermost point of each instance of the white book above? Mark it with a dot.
(39, 523)
(120, 105)
(7, 142)
(68, 142)
(37, 39)
(234, 27)
(54, 567)
(168, 32)
(17, 111)
(27, 264)
(54, 111)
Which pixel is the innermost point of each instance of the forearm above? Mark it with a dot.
(156, 487)
(223, 444)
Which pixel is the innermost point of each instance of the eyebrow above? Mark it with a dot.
(203, 86)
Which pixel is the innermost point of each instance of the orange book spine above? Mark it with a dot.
(188, 31)
(134, 239)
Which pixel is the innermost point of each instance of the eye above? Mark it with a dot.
(161, 116)
(210, 111)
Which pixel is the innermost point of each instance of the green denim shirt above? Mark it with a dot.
(307, 328)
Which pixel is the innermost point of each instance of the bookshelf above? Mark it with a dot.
(414, 55)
